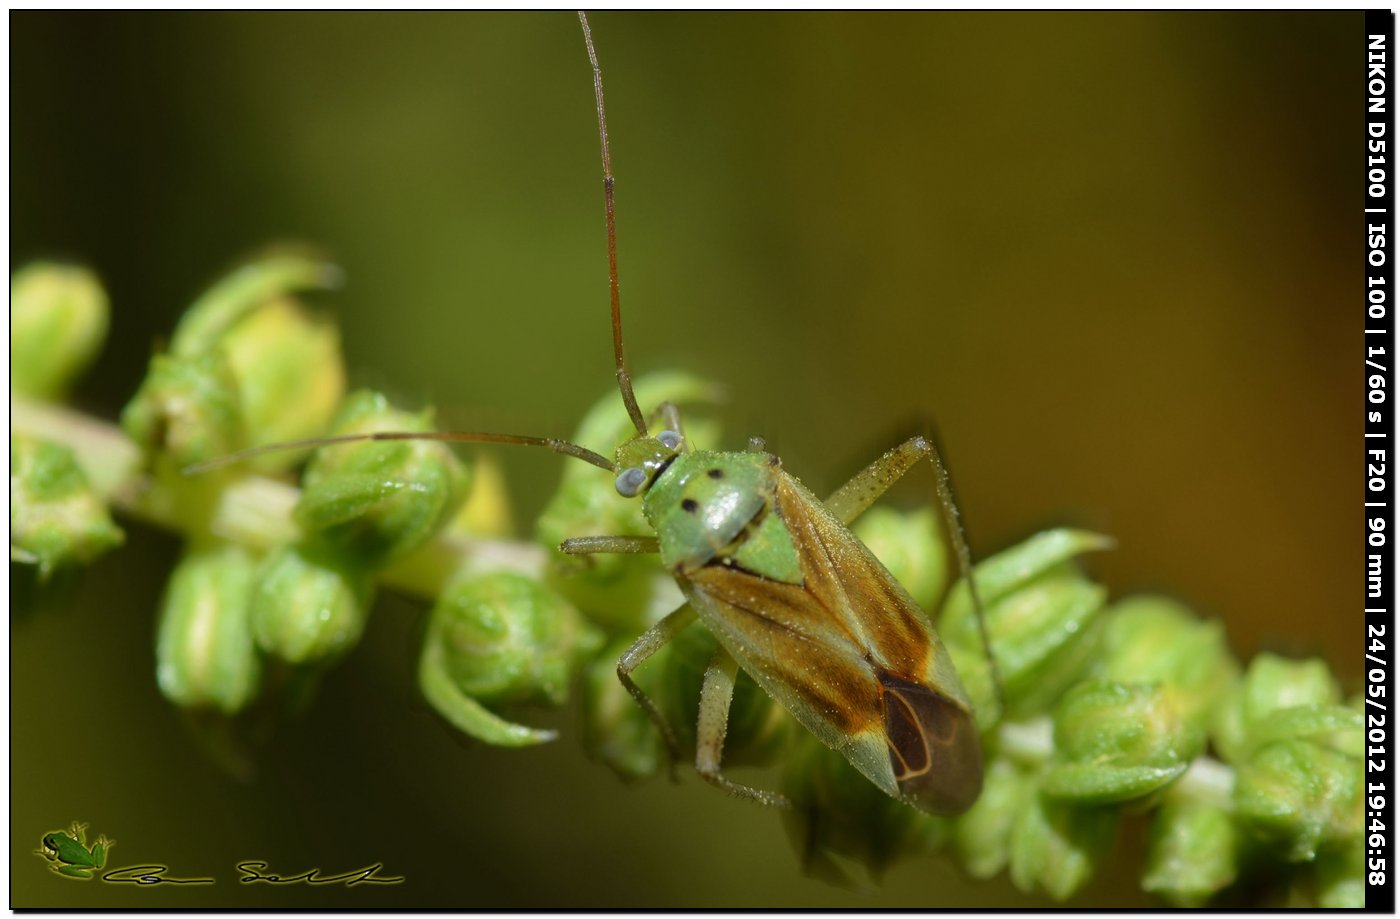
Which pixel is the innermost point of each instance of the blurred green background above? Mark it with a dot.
(1115, 257)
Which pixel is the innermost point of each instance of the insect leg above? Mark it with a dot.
(852, 499)
(865, 488)
(647, 644)
(715, 696)
(622, 545)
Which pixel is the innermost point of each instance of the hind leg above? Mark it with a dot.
(852, 499)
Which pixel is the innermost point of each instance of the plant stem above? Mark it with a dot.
(252, 510)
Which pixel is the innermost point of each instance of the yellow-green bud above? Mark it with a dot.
(1115, 742)
(501, 638)
(243, 290)
(1057, 847)
(205, 656)
(486, 510)
(290, 376)
(1156, 640)
(186, 409)
(1300, 796)
(1271, 685)
(307, 611)
(982, 836)
(1194, 845)
(55, 518)
(1339, 727)
(1042, 616)
(370, 503)
(911, 547)
(58, 320)
(615, 590)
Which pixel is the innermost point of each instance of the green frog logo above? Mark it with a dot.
(70, 854)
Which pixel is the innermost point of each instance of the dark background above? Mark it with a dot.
(1116, 257)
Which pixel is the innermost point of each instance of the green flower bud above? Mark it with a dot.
(1341, 876)
(55, 518)
(1300, 796)
(1194, 846)
(205, 656)
(1157, 640)
(243, 290)
(370, 503)
(290, 377)
(1271, 685)
(501, 638)
(58, 320)
(1056, 848)
(839, 818)
(307, 611)
(1115, 742)
(1042, 618)
(186, 409)
(616, 730)
(1339, 727)
(982, 836)
(615, 590)
(911, 547)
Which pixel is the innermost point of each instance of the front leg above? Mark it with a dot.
(619, 545)
(647, 644)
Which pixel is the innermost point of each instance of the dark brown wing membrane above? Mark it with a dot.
(934, 749)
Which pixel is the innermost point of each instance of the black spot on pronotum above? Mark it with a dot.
(715, 473)
(690, 506)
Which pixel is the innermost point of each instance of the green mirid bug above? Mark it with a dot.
(791, 595)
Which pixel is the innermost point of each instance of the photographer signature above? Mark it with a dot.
(253, 873)
(70, 855)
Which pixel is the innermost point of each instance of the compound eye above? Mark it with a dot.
(630, 481)
(671, 440)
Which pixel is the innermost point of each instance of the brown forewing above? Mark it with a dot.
(828, 640)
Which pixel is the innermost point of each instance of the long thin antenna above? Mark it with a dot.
(558, 446)
(624, 379)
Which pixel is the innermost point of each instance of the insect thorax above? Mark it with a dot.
(710, 505)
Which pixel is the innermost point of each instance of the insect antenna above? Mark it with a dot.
(558, 446)
(624, 379)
